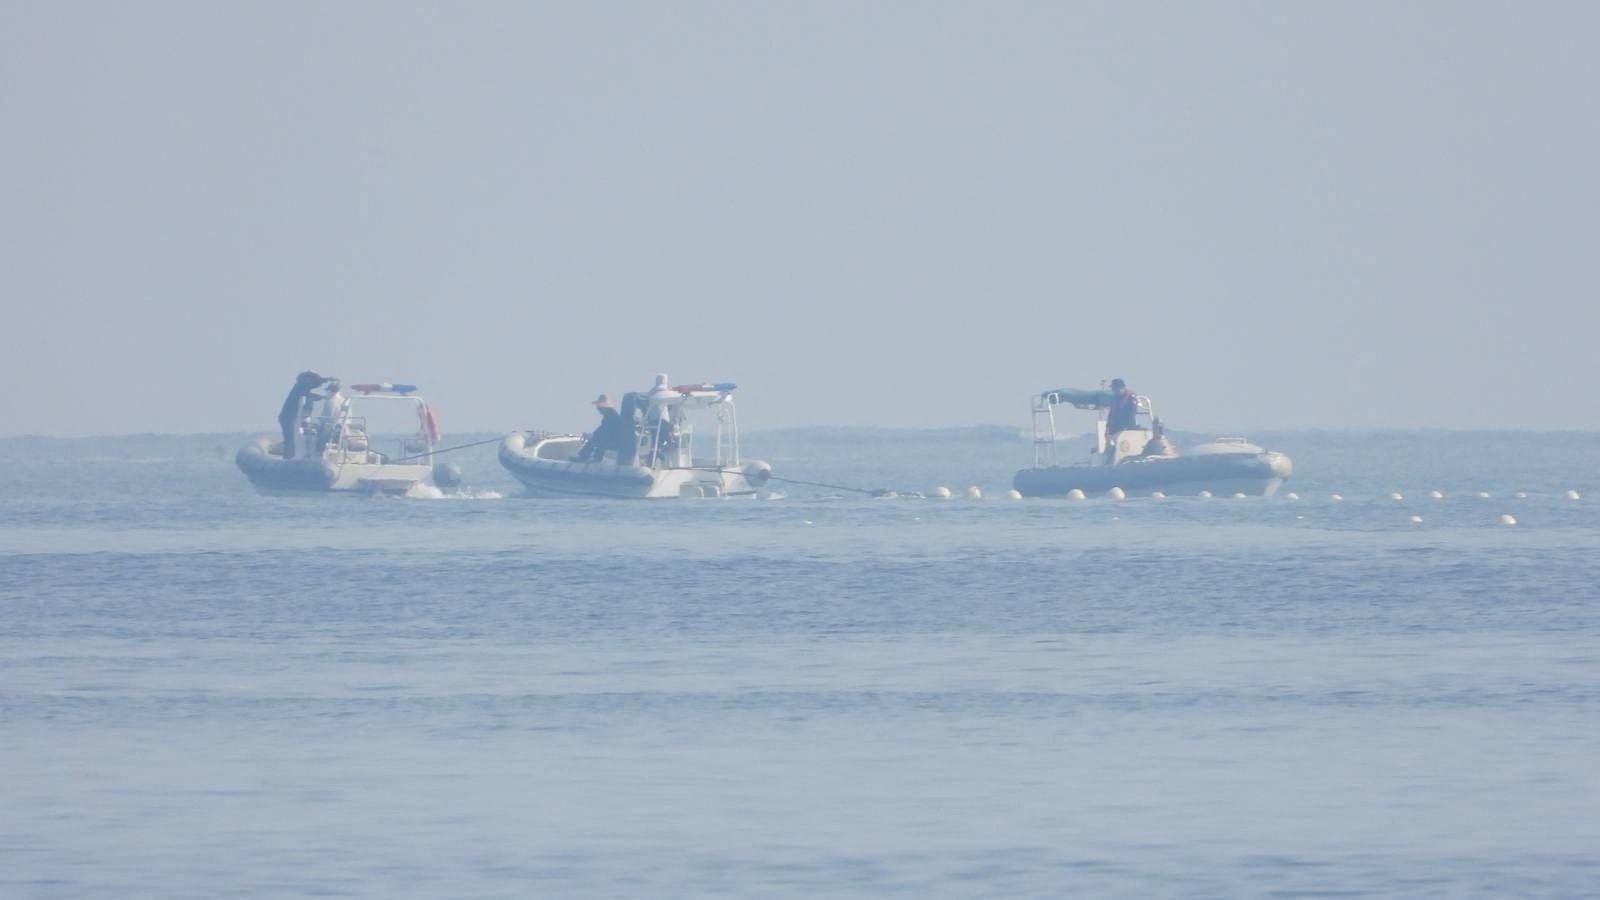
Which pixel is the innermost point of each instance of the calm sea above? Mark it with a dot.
(206, 692)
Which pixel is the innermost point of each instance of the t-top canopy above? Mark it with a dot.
(1099, 398)
(385, 387)
(718, 387)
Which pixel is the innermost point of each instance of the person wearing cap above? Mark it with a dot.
(608, 436)
(290, 415)
(1124, 408)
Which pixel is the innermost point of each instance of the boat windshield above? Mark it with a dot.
(1045, 434)
(397, 425)
(667, 433)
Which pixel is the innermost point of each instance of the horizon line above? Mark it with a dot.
(1369, 429)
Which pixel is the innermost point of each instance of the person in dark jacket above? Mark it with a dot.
(289, 416)
(1124, 408)
(608, 436)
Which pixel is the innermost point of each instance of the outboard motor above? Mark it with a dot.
(1159, 446)
(446, 475)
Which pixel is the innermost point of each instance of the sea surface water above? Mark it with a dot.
(209, 692)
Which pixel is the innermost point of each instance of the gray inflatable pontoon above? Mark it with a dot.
(334, 452)
(655, 458)
(1141, 459)
(1242, 469)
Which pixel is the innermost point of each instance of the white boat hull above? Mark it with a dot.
(1255, 474)
(546, 467)
(330, 472)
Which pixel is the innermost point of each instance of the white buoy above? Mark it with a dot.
(1116, 493)
(1013, 494)
(1436, 495)
(1157, 495)
(1521, 495)
(1574, 495)
(1075, 494)
(1238, 495)
(1335, 496)
(1299, 517)
(941, 493)
(1508, 519)
(1291, 496)
(1396, 495)
(972, 492)
(1416, 520)
(1483, 495)
(1204, 495)
(805, 521)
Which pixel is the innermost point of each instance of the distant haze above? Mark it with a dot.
(1264, 215)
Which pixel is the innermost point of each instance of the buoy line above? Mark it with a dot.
(973, 492)
(871, 492)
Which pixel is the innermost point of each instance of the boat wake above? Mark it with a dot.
(424, 491)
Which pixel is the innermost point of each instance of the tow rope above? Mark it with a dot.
(493, 440)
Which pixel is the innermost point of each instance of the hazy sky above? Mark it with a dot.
(1263, 214)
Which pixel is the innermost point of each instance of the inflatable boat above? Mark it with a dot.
(334, 452)
(1141, 459)
(657, 458)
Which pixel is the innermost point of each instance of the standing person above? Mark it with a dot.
(289, 416)
(1124, 408)
(609, 434)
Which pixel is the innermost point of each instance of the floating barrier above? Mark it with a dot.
(975, 492)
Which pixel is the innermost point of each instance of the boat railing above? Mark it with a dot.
(321, 433)
(1044, 430)
(1046, 437)
(353, 437)
(725, 439)
(349, 438)
(727, 433)
(650, 442)
(347, 435)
